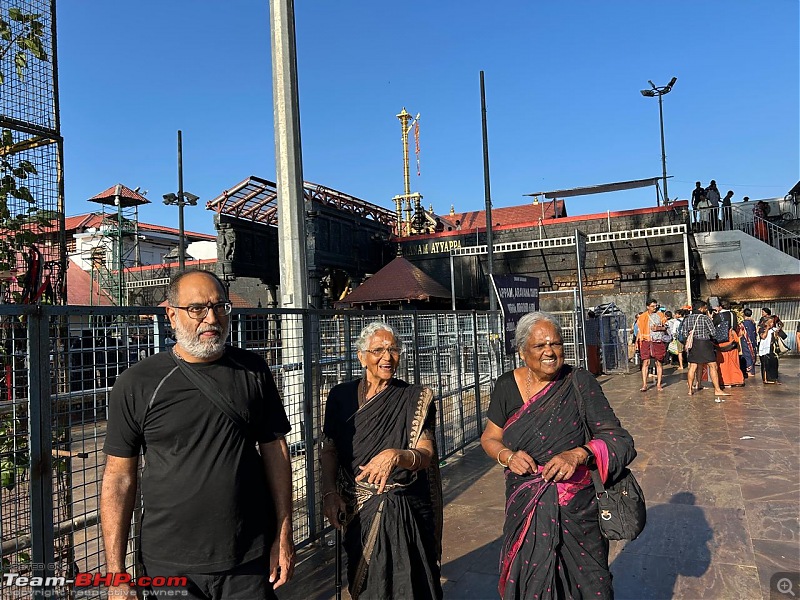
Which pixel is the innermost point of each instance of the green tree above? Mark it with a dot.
(21, 39)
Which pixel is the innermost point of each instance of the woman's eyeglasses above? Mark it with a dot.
(199, 311)
(379, 352)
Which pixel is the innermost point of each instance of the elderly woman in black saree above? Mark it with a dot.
(380, 477)
(553, 547)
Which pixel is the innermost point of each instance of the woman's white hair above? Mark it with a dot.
(526, 323)
(371, 329)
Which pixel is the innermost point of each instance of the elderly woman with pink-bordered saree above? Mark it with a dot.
(553, 547)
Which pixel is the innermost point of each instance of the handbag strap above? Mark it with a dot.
(209, 389)
(598, 483)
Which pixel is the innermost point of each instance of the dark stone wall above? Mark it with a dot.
(626, 272)
(246, 249)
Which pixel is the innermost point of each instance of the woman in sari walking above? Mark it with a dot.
(749, 341)
(553, 547)
(380, 475)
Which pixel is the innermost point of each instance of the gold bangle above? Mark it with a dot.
(415, 459)
(498, 457)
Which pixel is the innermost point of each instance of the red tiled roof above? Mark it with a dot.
(397, 281)
(509, 215)
(81, 290)
(125, 192)
(744, 289)
(76, 222)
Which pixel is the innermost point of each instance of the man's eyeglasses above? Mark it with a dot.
(379, 352)
(199, 311)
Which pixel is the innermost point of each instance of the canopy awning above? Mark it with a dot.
(600, 189)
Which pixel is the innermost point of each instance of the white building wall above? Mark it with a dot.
(728, 254)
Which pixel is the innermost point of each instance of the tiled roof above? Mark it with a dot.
(397, 281)
(509, 215)
(130, 197)
(79, 284)
(82, 222)
(744, 289)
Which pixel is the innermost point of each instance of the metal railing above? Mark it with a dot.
(59, 364)
(769, 230)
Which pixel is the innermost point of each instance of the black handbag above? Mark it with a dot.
(622, 512)
(621, 506)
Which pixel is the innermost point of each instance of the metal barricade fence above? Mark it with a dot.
(60, 363)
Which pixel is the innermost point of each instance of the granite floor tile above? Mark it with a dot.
(768, 428)
(464, 541)
(472, 585)
(691, 436)
(761, 459)
(671, 531)
(700, 486)
(695, 533)
(731, 540)
(778, 521)
(763, 484)
(642, 576)
(778, 556)
(693, 454)
(791, 431)
(773, 557)
(722, 581)
(764, 442)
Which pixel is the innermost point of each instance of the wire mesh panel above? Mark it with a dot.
(89, 352)
(612, 325)
(31, 235)
(15, 511)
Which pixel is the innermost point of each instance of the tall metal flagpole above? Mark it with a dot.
(488, 196)
(181, 201)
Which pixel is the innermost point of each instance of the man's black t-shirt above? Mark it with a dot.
(206, 504)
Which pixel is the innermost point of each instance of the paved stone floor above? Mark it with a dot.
(723, 509)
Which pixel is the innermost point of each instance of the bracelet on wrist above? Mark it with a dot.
(504, 464)
(416, 459)
(326, 494)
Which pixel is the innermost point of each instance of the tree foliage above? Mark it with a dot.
(21, 40)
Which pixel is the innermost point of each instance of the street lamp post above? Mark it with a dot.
(660, 91)
(181, 199)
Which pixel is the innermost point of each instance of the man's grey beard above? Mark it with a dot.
(190, 340)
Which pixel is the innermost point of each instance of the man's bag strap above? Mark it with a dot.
(210, 390)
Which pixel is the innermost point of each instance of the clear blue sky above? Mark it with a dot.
(562, 88)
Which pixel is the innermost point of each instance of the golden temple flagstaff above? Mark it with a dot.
(404, 227)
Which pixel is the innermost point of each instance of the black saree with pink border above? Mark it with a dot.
(553, 547)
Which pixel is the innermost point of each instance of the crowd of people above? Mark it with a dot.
(714, 212)
(715, 345)
(207, 421)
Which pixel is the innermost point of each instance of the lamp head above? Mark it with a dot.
(191, 199)
(170, 198)
(648, 93)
